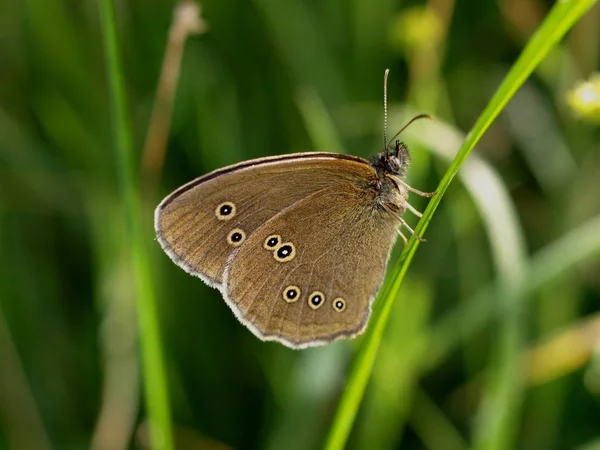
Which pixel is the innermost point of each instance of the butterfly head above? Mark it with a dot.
(392, 161)
(397, 159)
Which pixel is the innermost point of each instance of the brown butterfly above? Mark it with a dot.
(297, 244)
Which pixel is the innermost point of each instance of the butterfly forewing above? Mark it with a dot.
(204, 222)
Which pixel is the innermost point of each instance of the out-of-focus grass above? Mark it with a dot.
(549, 263)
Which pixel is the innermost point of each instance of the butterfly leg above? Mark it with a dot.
(399, 181)
(407, 226)
(413, 210)
(402, 236)
(416, 191)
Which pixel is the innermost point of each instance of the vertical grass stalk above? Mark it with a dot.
(155, 382)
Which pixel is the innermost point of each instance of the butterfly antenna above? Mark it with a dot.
(417, 117)
(385, 113)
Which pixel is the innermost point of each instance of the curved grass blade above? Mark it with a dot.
(561, 18)
(503, 389)
(577, 245)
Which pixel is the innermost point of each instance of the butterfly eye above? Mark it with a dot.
(316, 299)
(285, 252)
(394, 164)
(236, 237)
(225, 211)
(291, 294)
(339, 304)
(272, 242)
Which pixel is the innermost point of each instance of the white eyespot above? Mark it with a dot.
(285, 252)
(272, 242)
(316, 299)
(236, 237)
(339, 304)
(291, 294)
(225, 211)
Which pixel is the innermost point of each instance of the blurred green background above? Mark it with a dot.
(261, 78)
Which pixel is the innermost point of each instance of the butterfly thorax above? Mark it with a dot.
(391, 196)
(390, 165)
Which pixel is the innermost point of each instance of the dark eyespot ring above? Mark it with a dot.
(291, 294)
(339, 304)
(272, 242)
(285, 252)
(316, 299)
(236, 237)
(225, 211)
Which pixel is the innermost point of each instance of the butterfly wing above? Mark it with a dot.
(334, 244)
(204, 222)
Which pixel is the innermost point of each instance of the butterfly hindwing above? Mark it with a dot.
(338, 243)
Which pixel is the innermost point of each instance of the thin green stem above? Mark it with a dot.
(561, 18)
(155, 380)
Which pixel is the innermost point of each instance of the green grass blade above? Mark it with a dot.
(561, 18)
(501, 395)
(152, 356)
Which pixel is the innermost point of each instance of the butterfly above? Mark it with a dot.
(297, 244)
